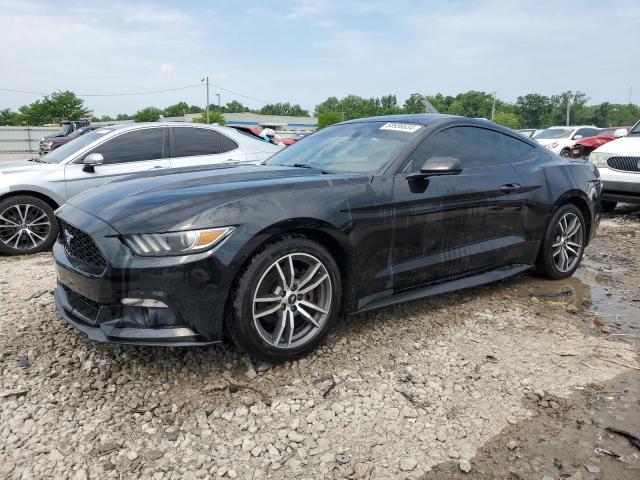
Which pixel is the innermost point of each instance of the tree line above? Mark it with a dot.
(528, 111)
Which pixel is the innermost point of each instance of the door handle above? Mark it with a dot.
(510, 188)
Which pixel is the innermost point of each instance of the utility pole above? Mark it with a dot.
(568, 110)
(493, 108)
(630, 88)
(207, 80)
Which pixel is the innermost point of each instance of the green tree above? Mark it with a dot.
(62, 105)
(214, 117)
(9, 117)
(195, 109)
(149, 114)
(176, 110)
(328, 117)
(330, 104)
(234, 106)
(508, 119)
(414, 104)
(124, 116)
(283, 109)
(533, 110)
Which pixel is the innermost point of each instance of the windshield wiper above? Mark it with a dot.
(304, 165)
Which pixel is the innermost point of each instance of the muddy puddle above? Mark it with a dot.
(599, 305)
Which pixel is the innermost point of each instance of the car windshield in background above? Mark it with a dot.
(635, 130)
(78, 132)
(553, 133)
(62, 152)
(351, 148)
(607, 131)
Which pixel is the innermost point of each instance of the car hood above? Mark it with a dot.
(23, 166)
(629, 145)
(595, 141)
(188, 198)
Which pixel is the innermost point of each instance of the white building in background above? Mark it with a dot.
(303, 125)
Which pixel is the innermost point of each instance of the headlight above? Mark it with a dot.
(176, 243)
(599, 159)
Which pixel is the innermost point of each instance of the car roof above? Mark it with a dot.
(419, 118)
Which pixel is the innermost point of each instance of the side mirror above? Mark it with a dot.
(577, 137)
(437, 166)
(90, 162)
(621, 132)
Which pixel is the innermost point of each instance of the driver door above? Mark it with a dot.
(125, 154)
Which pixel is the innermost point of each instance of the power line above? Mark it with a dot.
(150, 92)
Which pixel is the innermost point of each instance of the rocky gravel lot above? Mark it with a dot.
(515, 380)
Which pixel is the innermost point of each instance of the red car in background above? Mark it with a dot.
(583, 148)
(256, 131)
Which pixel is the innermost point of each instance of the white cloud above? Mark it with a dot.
(167, 67)
(304, 9)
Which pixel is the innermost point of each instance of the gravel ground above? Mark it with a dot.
(514, 380)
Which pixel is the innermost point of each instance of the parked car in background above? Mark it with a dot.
(619, 164)
(560, 139)
(51, 143)
(359, 215)
(31, 190)
(583, 148)
(530, 132)
(65, 129)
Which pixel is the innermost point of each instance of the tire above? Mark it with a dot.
(27, 225)
(268, 336)
(564, 153)
(550, 262)
(608, 207)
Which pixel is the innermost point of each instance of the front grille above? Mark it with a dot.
(81, 246)
(628, 164)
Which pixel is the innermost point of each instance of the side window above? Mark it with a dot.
(518, 151)
(227, 144)
(592, 132)
(134, 146)
(474, 147)
(584, 132)
(190, 141)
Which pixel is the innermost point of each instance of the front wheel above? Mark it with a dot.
(563, 243)
(564, 153)
(27, 225)
(285, 301)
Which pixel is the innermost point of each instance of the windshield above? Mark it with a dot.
(352, 148)
(635, 130)
(78, 132)
(553, 133)
(62, 152)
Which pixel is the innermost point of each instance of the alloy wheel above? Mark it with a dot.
(568, 242)
(292, 300)
(24, 226)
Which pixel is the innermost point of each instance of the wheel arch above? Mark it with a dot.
(42, 196)
(319, 231)
(580, 200)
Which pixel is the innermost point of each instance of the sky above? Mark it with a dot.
(303, 51)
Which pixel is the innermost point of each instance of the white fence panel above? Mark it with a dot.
(23, 139)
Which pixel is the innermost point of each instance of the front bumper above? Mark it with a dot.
(620, 186)
(193, 287)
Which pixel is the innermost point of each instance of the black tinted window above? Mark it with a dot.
(189, 142)
(518, 151)
(226, 144)
(132, 146)
(474, 147)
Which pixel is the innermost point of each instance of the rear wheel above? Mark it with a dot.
(27, 225)
(565, 153)
(609, 207)
(563, 243)
(285, 301)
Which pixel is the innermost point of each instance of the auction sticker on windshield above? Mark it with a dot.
(401, 127)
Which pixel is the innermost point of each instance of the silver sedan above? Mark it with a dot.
(31, 190)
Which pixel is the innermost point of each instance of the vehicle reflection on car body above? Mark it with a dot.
(359, 215)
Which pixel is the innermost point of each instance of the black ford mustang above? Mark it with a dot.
(359, 215)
